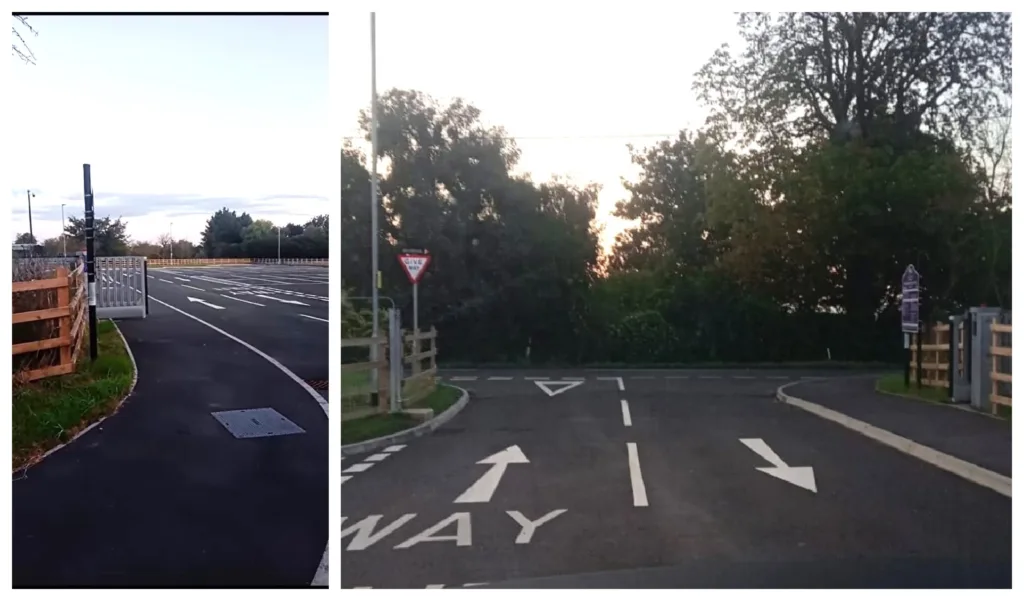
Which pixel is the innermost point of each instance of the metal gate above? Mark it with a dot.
(121, 291)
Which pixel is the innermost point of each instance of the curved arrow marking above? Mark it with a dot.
(799, 476)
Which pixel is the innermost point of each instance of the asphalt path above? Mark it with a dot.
(162, 494)
(654, 478)
(282, 310)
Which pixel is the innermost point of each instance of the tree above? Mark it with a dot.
(110, 237)
(19, 47)
(25, 238)
(223, 234)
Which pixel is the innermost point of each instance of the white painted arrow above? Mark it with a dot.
(483, 489)
(800, 476)
(281, 300)
(545, 385)
(202, 302)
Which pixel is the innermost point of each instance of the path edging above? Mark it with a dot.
(416, 431)
(120, 403)
(954, 465)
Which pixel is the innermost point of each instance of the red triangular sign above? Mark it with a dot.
(414, 265)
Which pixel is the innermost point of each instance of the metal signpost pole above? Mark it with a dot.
(31, 234)
(63, 234)
(910, 319)
(90, 261)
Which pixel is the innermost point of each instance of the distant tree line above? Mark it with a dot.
(840, 148)
(227, 235)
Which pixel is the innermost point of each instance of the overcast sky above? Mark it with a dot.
(588, 82)
(178, 116)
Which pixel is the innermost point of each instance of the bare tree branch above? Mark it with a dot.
(23, 52)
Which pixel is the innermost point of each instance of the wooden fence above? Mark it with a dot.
(64, 301)
(1002, 347)
(935, 359)
(356, 377)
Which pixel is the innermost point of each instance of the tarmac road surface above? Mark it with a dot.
(667, 479)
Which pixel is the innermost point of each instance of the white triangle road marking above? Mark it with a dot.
(551, 387)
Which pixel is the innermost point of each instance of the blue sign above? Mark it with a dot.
(910, 307)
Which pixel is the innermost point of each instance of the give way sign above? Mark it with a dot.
(414, 264)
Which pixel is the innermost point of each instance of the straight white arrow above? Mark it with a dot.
(483, 489)
(281, 300)
(800, 476)
(202, 302)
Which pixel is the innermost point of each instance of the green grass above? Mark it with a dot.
(893, 383)
(373, 426)
(50, 411)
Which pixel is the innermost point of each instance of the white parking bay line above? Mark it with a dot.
(499, 378)
(627, 420)
(192, 287)
(316, 318)
(181, 279)
(463, 379)
(345, 479)
(636, 479)
(622, 385)
(242, 301)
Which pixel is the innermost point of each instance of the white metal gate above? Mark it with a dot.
(121, 291)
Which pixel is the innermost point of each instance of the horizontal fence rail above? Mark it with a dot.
(49, 318)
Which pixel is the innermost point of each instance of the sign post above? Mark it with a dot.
(415, 261)
(910, 318)
(90, 260)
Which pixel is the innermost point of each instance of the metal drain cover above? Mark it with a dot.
(256, 423)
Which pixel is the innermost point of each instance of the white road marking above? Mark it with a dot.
(565, 385)
(242, 301)
(677, 377)
(710, 377)
(435, 586)
(622, 385)
(316, 318)
(364, 534)
(463, 536)
(798, 476)
(394, 448)
(483, 489)
(182, 279)
(345, 479)
(377, 457)
(574, 379)
(168, 281)
(636, 478)
(192, 287)
(626, 419)
(193, 299)
(527, 527)
(356, 468)
(534, 378)
(282, 300)
(499, 378)
(463, 379)
(150, 277)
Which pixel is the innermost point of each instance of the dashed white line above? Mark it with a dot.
(150, 277)
(241, 300)
(534, 378)
(627, 420)
(499, 378)
(636, 478)
(622, 385)
(463, 379)
(316, 318)
(192, 287)
(356, 468)
(182, 279)
(574, 379)
(168, 281)
(709, 377)
(376, 457)
(394, 448)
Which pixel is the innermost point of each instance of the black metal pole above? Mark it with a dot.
(906, 361)
(953, 359)
(90, 261)
(145, 281)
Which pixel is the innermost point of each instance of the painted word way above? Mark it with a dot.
(456, 528)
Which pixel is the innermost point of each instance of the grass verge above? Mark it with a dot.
(51, 411)
(374, 426)
(893, 383)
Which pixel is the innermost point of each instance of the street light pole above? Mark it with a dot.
(374, 260)
(30, 233)
(278, 245)
(63, 234)
(170, 242)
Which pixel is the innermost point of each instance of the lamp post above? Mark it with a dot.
(63, 234)
(278, 245)
(170, 241)
(31, 235)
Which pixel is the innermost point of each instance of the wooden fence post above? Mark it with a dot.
(64, 300)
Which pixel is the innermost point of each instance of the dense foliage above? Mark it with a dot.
(840, 148)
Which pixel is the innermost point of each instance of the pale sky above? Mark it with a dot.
(178, 116)
(588, 81)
